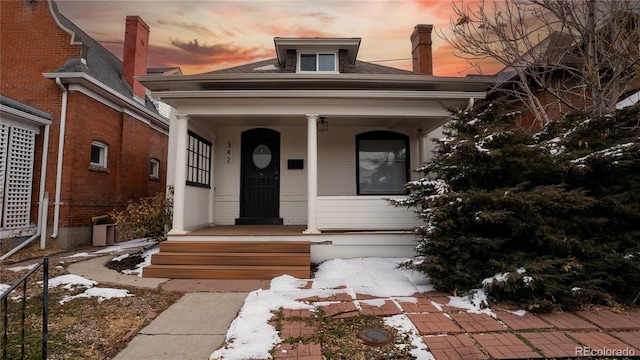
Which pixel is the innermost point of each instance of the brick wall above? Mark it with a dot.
(32, 44)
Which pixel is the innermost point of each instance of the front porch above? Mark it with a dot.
(267, 251)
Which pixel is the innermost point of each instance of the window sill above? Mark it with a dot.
(98, 168)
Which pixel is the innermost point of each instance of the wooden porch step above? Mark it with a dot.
(235, 258)
(236, 246)
(230, 260)
(224, 271)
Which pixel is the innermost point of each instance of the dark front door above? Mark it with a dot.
(260, 177)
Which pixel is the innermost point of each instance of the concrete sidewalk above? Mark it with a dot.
(192, 328)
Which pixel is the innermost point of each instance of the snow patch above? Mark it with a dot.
(70, 281)
(100, 293)
(476, 303)
(21, 268)
(4, 287)
(404, 325)
(81, 254)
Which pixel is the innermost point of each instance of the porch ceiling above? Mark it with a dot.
(425, 124)
(391, 110)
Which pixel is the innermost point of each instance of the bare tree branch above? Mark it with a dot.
(583, 53)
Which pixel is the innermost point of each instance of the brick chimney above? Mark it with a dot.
(134, 59)
(421, 49)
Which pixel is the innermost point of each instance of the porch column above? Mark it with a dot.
(312, 172)
(180, 186)
(422, 146)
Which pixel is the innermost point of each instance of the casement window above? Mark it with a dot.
(317, 62)
(383, 163)
(99, 152)
(198, 161)
(154, 169)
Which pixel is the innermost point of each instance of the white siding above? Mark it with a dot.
(363, 213)
(336, 172)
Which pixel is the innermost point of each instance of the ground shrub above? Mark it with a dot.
(548, 219)
(148, 217)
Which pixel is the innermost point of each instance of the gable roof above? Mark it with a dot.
(99, 63)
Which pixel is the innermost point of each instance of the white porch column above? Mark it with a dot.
(180, 186)
(212, 208)
(422, 146)
(312, 173)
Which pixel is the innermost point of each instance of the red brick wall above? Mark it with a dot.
(32, 44)
(554, 109)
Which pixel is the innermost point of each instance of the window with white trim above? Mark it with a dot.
(154, 169)
(99, 151)
(383, 163)
(198, 161)
(317, 62)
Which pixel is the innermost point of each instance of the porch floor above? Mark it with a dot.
(249, 230)
(275, 230)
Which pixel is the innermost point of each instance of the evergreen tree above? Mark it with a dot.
(549, 219)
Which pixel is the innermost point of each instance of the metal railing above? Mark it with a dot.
(45, 309)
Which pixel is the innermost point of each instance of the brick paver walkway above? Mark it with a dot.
(552, 343)
(452, 333)
(453, 347)
(505, 346)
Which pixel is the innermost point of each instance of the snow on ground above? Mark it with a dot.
(251, 336)
(78, 255)
(21, 268)
(100, 293)
(4, 287)
(72, 281)
(147, 261)
(125, 246)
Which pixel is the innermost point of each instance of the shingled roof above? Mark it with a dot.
(272, 66)
(101, 63)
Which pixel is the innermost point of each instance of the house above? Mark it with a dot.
(559, 72)
(303, 149)
(76, 128)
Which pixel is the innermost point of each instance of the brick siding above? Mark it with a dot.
(33, 44)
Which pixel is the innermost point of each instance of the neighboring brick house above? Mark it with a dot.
(556, 60)
(114, 144)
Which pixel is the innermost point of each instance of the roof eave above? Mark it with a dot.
(279, 80)
(93, 84)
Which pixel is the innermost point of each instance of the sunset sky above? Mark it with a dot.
(206, 35)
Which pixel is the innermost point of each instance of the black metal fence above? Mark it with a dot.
(22, 282)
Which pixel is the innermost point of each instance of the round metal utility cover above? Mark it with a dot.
(375, 336)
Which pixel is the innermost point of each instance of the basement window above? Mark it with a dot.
(317, 62)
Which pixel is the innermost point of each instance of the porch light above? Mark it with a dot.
(323, 125)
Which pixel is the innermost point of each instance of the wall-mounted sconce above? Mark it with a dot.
(323, 125)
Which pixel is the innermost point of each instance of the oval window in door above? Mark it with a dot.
(261, 156)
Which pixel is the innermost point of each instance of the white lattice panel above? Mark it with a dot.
(4, 139)
(19, 174)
